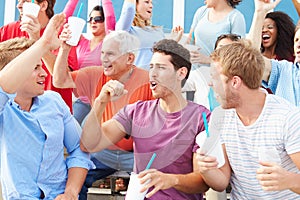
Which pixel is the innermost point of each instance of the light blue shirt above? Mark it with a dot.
(148, 35)
(284, 80)
(32, 147)
(207, 32)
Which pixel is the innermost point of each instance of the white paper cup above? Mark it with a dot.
(76, 27)
(134, 188)
(211, 146)
(30, 8)
(268, 154)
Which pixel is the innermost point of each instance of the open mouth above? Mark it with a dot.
(41, 82)
(266, 37)
(153, 85)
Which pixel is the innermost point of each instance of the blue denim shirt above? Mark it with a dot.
(32, 147)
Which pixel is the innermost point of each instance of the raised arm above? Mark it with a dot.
(110, 18)
(127, 15)
(70, 7)
(95, 135)
(61, 74)
(17, 71)
(262, 7)
(297, 6)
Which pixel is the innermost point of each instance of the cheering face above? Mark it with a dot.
(114, 62)
(269, 33)
(144, 9)
(163, 76)
(35, 84)
(297, 46)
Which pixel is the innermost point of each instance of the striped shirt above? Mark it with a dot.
(284, 80)
(277, 128)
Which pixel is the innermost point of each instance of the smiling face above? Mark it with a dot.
(34, 86)
(144, 9)
(96, 27)
(269, 33)
(297, 46)
(114, 62)
(163, 77)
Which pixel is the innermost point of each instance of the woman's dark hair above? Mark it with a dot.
(234, 3)
(231, 36)
(284, 48)
(100, 9)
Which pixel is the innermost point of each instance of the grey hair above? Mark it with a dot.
(128, 42)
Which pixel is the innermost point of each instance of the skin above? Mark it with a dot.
(165, 84)
(269, 29)
(144, 9)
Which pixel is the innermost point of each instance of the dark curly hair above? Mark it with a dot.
(233, 3)
(284, 48)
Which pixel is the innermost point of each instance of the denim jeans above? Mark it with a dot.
(107, 162)
(80, 110)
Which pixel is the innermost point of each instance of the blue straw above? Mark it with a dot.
(150, 161)
(32, 1)
(79, 10)
(205, 123)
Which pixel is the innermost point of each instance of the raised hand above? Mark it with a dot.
(50, 35)
(32, 27)
(111, 91)
(265, 5)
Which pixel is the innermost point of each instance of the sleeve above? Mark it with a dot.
(72, 134)
(238, 24)
(198, 15)
(72, 59)
(124, 117)
(70, 8)
(4, 98)
(110, 18)
(276, 69)
(3, 33)
(126, 17)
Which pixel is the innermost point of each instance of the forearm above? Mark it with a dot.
(127, 16)
(92, 130)
(49, 60)
(70, 7)
(110, 19)
(76, 178)
(189, 183)
(297, 6)
(61, 74)
(16, 72)
(216, 180)
(255, 30)
(294, 182)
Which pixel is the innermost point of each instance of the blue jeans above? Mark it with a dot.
(107, 162)
(80, 110)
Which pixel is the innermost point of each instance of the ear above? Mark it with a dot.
(236, 82)
(181, 73)
(130, 58)
(43, 5)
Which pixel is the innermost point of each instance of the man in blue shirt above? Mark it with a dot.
(282, 77)
(35, 126)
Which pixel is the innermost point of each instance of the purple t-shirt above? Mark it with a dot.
(170, 135)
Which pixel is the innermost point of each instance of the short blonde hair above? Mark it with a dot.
(10, 49)
(241, 59)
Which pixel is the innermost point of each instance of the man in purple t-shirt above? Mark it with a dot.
(166, 126)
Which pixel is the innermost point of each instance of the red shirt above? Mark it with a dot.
(12, 30)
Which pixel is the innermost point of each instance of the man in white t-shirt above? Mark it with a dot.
(259, 131)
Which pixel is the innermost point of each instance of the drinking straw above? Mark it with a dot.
(205, 123)
(79, 10)
(32, 1)
(150, 161)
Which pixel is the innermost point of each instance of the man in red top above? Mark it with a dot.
(34, 29)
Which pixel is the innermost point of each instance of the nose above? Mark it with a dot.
(43, 73)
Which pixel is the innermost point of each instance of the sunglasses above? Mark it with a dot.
(97, 19)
